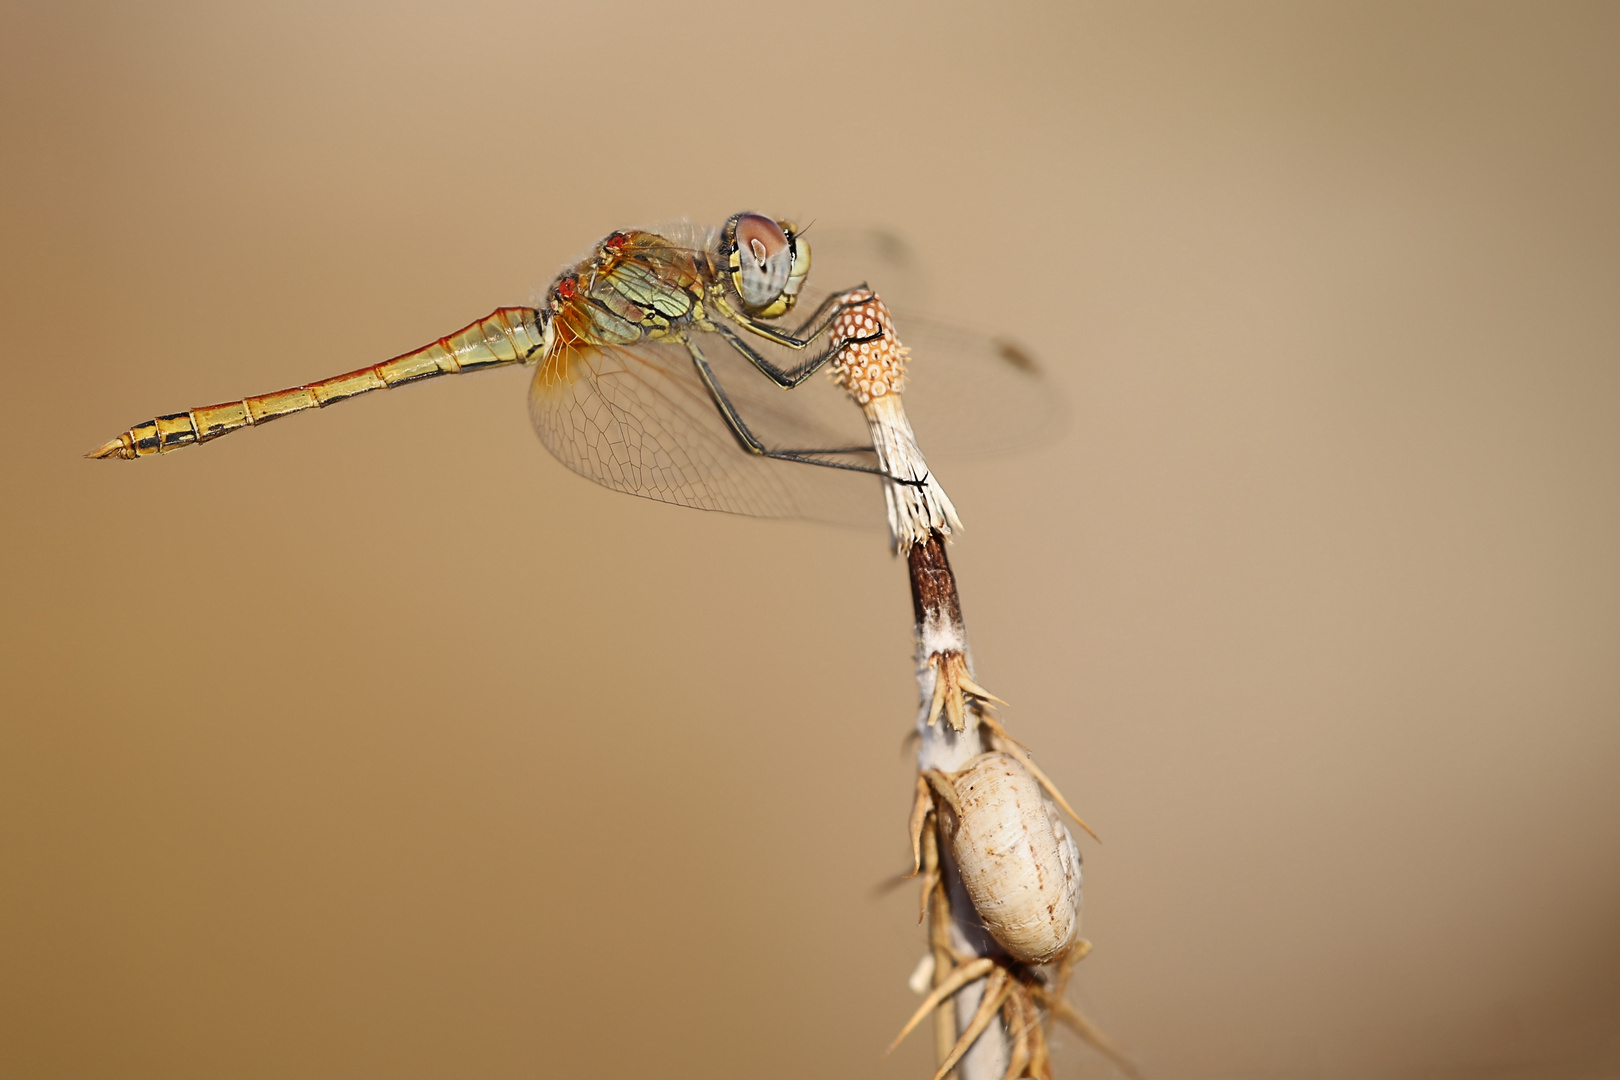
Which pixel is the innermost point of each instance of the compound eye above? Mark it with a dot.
(764, 257)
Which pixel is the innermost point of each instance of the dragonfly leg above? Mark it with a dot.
(788, 378)
(814, 326)
(751, 442)
(818, 323)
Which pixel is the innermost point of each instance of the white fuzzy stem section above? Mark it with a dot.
(942, 748)
(914, 509)
(949, 751)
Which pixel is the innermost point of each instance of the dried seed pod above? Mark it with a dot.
(1017, 860)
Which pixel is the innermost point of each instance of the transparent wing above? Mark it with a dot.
(641, 421)
(968, 394)
(883, 258)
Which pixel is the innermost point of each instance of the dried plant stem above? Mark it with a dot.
(936, 905)
(944, 988)
(1094, 1035)
(988, 996)
(995, 1030)
(953, 929)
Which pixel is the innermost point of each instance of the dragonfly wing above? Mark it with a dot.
(967, 394)
(883, 259)
(815, 415)
(971, 395)
(639, 419)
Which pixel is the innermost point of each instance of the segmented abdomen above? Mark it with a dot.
(508, 336)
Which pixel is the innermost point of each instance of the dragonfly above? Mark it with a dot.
(666, 366)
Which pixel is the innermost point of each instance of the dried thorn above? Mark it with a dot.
(1019, 1024)
(1093, 1035)
(938, 701)
(989, 720)
(1077, 952)
(1057, 796)
(891, 883)
(1059, 984)
(949, 985)
(938, 927)
(954, 712)
(944, 1023)
(930, 883)
(1040, 1063)
(996, 989)
(1018, 1060)
(961, 957)
(1018, 1011)
(966, 683)
(919, 816)
(942, 784)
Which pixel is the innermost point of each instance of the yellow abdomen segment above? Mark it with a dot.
(509, 336)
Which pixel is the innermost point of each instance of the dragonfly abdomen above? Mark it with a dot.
(508, 336)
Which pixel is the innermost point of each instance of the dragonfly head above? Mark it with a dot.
(768, 263)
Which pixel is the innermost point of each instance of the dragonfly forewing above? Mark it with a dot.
(641, 420)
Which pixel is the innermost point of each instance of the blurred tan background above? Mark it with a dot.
(376, 743)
